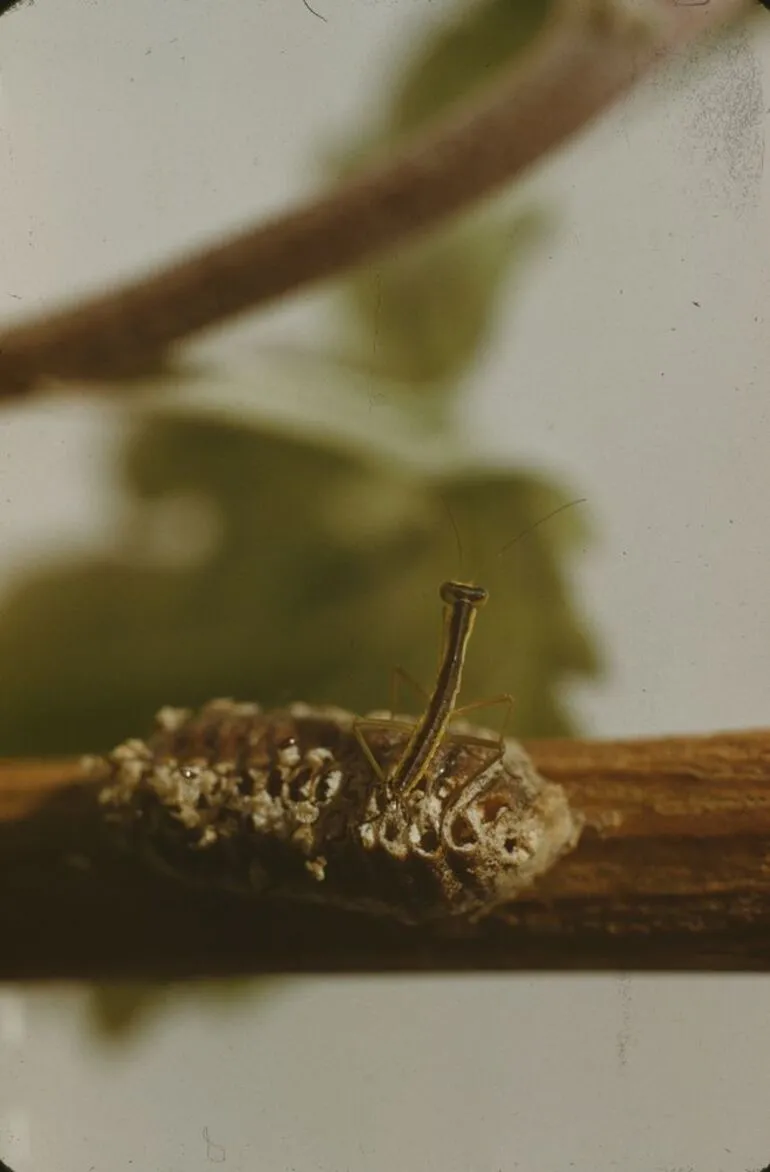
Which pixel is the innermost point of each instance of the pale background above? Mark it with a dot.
(130, 130)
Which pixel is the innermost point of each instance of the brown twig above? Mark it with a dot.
(590, 53)
(672, 872)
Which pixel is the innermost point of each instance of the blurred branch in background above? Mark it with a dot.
(670, 873)
(588, 53)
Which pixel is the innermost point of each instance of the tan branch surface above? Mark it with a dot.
(589, 54)
(672, 872)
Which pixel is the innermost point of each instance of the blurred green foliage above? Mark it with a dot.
(461, 58)
(325, 561)
(324, 574)
(423, 313)
(116, 1012)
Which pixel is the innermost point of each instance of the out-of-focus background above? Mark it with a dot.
(599, 333)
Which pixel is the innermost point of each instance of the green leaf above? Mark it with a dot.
(464, 55)
(423, 313)
(322, 576)
(116, 1011)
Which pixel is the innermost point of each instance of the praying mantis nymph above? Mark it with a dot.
(462, 601)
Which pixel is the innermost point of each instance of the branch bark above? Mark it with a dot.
(672, 872)
(591, 52)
